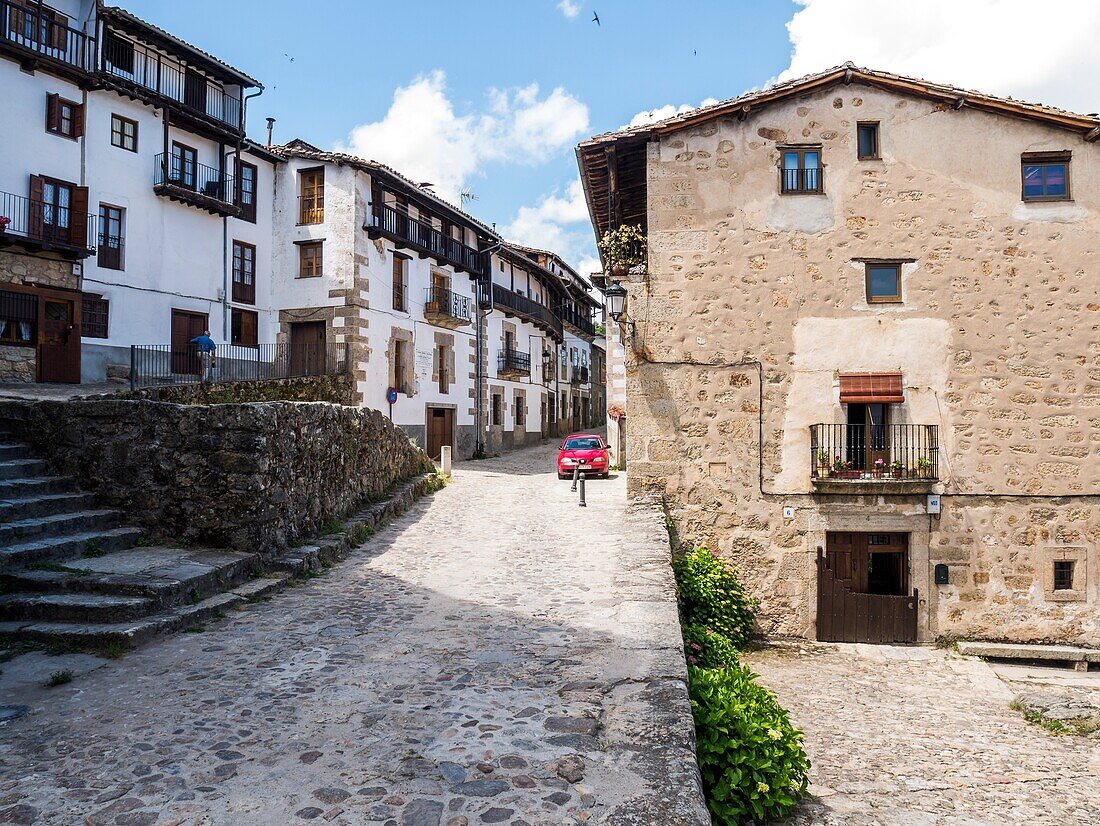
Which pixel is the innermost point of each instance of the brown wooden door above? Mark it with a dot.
(58, 340)
(185, 355)
(307, 348)
(441, 428)
(863, 589)
(194, 90)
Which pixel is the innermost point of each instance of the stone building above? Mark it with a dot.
(863, 361)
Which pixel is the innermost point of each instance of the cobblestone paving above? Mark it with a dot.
(496, 655)
(915, 736)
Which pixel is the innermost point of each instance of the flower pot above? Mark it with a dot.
(619, 270)
(896, 473)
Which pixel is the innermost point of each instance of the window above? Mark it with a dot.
(41, 25)
(883, 283)
(801, 170)
(246, 190)
(1063, 574)
(1045, 176)
(94, 314)
(311, 197)
(310, 259)
(64, 117)
(244, 328)
(867, 141)
(399, 283)
(60, 211)
(498, 409)
(109, 255)
(519, 409)
(400, 366)
(119, 54)
(244, 273)
(183, 166)
(124, 133)
(18, 318)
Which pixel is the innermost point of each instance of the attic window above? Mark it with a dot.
(1045, 176)
(867, 141)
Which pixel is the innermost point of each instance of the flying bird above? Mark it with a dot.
(286, 55)
(595, 18)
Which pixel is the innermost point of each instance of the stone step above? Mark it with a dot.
(134, 632)
(21, 468)
(168, 576)
(73, 607)
(69, 547)
(1080, 657)
(34, 486)
(46, 504)
(14, 450)
(57, 525)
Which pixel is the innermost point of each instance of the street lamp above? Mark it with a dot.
(616, 301)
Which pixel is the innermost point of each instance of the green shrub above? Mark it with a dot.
(712, 596)
(707, 649)
(750, 756)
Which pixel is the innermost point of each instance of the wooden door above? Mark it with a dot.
(58, 340)
(863, 589)
(440, 430)
(185, 355)
(307, 348)
(194, 90)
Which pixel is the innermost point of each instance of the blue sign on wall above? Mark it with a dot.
(391, 395)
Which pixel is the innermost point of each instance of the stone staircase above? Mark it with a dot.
(72, 573)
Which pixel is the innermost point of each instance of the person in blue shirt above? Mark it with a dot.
(207, 348)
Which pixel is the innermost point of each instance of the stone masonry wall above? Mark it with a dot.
(17, 364)
(337, 389)
(998, 341)
(247, 476)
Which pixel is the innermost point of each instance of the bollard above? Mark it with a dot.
(445, 460)
(582, 503)
(576, 471)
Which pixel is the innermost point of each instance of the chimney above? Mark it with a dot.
(270, 127)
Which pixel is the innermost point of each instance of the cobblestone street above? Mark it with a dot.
(913, 736)
(495, 655)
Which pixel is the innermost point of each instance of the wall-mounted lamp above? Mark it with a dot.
(615, 295)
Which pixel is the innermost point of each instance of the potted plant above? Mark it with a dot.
(924, 467)
(623, 248)
(824, 463)
(897, 468)
(878, 467)
(842, 469)
(4, 221)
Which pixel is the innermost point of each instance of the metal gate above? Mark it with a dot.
(846, 616)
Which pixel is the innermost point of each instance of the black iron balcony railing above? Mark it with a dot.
(579, 375)
(521, 305)
(34, 31)
(110, 254)
(311, 209)
(864, 452)
(439, 301)
(46, 223)
(578, 321)
(182, 363)
(183, 174)
(802, 180)
(423, 237)
(168, 79)
(513, 361)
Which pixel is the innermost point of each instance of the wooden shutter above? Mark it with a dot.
(78, 121)
(78, 218)
(871, 388)
(53, 113)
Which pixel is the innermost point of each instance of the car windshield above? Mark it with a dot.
(583, 443)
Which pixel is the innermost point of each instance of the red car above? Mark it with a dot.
(585, 451)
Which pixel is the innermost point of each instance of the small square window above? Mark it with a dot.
(124, 133)
(1045, 176)
(311, 259)
(1063, 574)
(883, 283)
(867, 140)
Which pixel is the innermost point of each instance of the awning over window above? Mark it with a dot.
(871, 388)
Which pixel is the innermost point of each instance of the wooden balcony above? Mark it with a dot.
(195, 184)
(424, 239)
(886, 458)
(512, 303)
(445, 308)
(37, 38)
(41, 227)
(578, 322)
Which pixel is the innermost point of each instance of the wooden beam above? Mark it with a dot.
(1092, 134)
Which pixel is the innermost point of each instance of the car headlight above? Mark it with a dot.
(568, 461)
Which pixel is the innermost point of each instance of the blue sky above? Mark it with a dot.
(446, 91)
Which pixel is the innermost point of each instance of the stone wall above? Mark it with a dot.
(997, 338)
(337, 389)
(37, 270)
(17, 364)
(247, 476)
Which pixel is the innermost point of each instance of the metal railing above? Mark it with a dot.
(46, 223)
(111, 253)
(521, 305)
(167, 78)
(311, 209)
(513, 361)
(802, 180)
(153, 365)
(579, 375)
(862, 452)
(425, 237)
(578, 320)
(176, 171)
(440, 301)
(35, 30)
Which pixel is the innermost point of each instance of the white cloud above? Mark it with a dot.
(666, 111)
(1043, 53)
(559, 223)
(425, 138)
(569, 8)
